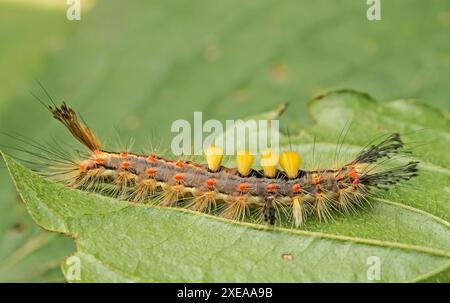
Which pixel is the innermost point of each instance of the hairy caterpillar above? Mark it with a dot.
(291, 194)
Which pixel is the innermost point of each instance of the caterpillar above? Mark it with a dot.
(280, 190)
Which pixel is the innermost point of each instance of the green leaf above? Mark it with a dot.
(122, 241)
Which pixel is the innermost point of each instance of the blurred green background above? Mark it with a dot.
(132, 67)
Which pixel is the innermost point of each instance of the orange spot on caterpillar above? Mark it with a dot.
(99, 157)
(210, 182)
(353, 174)
(125, 165)
(178, 177)
(179, 164)
(296, 188)
(151, 172)
(271, 188)
(151, 158)
(243, 187)
(123, 155)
